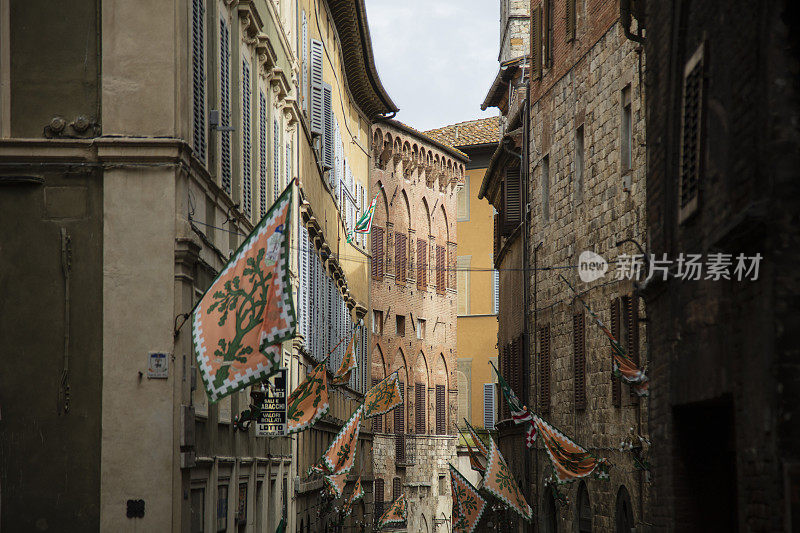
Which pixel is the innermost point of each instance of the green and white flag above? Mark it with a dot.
(364, 222)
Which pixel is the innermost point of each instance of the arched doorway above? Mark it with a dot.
(549, 512)
(624, 517)
(584, 509)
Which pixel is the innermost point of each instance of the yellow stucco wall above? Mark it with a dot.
(477, 330)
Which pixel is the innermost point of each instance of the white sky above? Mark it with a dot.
(436, 58)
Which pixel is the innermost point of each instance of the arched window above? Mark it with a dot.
(584, 510)
(624, 518)
(549, 514)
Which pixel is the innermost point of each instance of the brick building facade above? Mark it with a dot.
(722, 145)
(414, 317)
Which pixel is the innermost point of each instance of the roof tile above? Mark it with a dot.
(470, 132)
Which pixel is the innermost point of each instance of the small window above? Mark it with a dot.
(626, 131)
(462, 283)
(241, 507)
(420, 328)
(488, 405)
(463, 200)
(198, 510)
(691, 135)
(222, 508)
(400, 325)
(579, 164)
(584, 510)
(546, 189)
(442, 485)
(377, 322)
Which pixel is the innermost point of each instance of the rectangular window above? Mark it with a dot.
(571, 19)
(536, 43)
(198, 80)
(377, 422)
(548, 36)
(630, 318)
(317, 106)
(691, 135)
(420, 328)
(616, 385)
(377, 258)
(400, 413)
(222, 508)
(328, 121)
(495, 292)
(512, 201)
(247, 147)
(400, 258)
(440, 269)
(546, 189)
(579, 164)
(378, 497)
(441, 410)
(241, 507)
(377, 322)
(397, 489)
(420, 409)
(198, 510)
(463, 200)
(464, 392)
(488, 405)
(579, 360)
(626, 134)
(422, 264)
(463, 282)
(442, 485)
(225, 103)
(304, 59)
(544, 369)
(400, 325)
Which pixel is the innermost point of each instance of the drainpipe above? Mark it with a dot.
(625, 16)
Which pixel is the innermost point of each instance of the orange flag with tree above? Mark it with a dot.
(309, 401)
(500, 482)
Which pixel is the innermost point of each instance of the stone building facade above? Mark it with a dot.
(583, 190)
(414, 317)
(133, 163)
(515, 31)
(724, 353)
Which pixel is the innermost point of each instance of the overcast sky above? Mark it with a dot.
(436, 59)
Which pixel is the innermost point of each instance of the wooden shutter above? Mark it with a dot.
(198, 80)
(225, 103)
(440, 269)
(396, 488)
(512, 202)
(536, 43)
(400, 258)
(547, 27)
(420, 409)
(616, 386)
(488, 405)
(377, 422)
(571, 22)
(317, 109)
(422, 264)
(378, 497)
(505, 371)
(544, 369)
(377, 253)
(516, 367)
(497, 237)
(579, 361)
(691, 135)
(631, 311)
(399, 413)
(441, 410)
(247, 147)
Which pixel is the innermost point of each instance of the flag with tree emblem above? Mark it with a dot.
(358, 493)
(341, 454)
(349, 363)
(395, 514)
(335, 483)
(500, 482)
(480, 446)
(309, 401)
(468, 505)
(570, 460)
(248, 308)
(383, 397)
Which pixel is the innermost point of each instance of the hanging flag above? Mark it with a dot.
(309, 401)
(281, 526)
(341, 454)
(395, 514)
(500, 482)
(349, 363)
(248, 308)
(358, 493)
(519, 413)
(570, 460)
(468, 505)
(475, 461)
(480, 446)
(364, 223)
(622, 366)
(383, 397)
(335, 483)
(530, 435)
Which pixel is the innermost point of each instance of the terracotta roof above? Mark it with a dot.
(471, 132)
(424, 136)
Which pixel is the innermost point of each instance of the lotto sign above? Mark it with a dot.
(271, 420)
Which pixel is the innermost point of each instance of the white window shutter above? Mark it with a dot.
(317, 90)
(247, 192)
(276, 159)
(496, 291)
(488, 405)
(225, 103)
(327, 112)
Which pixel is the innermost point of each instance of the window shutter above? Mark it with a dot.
(441, 410)
(571, 21)
(328, 118)
(396, 488)
(516, 367)
(631, 310)
(399, 412)
(422, 267)
(440, 269)
(378, 254)
(276, 159)
(198, 80)
(536, 44)
(691, 135)
(496, 291)
(262, 152)
(247, 147)
(579, 351)
(547, 26)
(497, 226)
(616, 386)
(304, 51)
(420, 409)
(378, 497)
(488, 405)
(544, 369)
(505, 371)
(512, 208)
(225, 103)
(464, 392)
(377, 422)
(288, 164)
(317, 106)
(400, 258)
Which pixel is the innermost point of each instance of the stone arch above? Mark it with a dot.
(405, 215)
(549, 513)
(421, 374)
(377, 145)
(382, 209)
(423, 525)
(441, 378)
(379, 369)
(427, 212)
(400, 365)
(623, 520)
(583, 509)
(444, 226)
